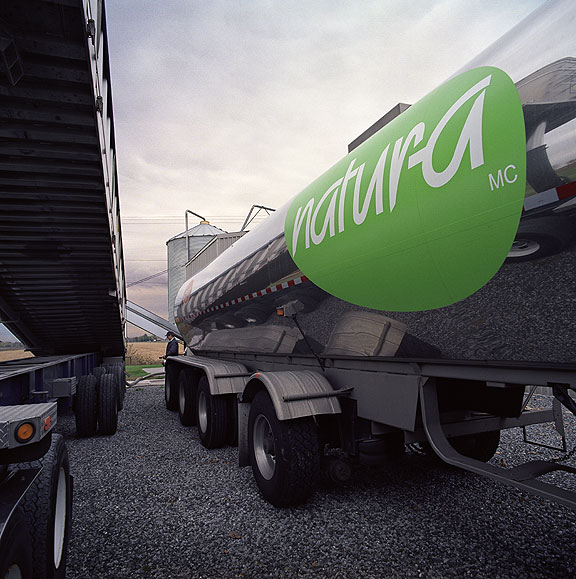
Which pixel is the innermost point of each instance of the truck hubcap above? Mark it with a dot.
(264, 447)
(523, 247)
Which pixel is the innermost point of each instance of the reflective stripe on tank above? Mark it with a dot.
(550, 196)
(269, 290)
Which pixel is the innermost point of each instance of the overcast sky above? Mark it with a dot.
(220, 104)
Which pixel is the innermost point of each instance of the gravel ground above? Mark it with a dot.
(152, 502)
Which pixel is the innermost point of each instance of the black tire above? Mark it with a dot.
(119, 372)
(171, 387)
(285, 455)
(86, 406)
(481, 446)
(48, 510)
(108, 404)
(186, 399)
(212, 416)
(233, 422)
(16, 549)
(99, 371)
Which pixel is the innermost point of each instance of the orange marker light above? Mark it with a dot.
(47, 423)
(25, 432)
(280, 312)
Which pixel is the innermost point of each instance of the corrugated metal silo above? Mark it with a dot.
(179, 253)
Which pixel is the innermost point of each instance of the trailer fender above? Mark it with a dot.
(224, 377)
(293, 394)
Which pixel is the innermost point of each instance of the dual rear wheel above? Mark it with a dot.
(215, 416)
(98, 400)
(285, 455)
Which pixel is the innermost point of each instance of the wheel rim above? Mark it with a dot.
(13, 573)
(60, 518)
(202, 412)
(182, 399)
(523, 247)
(264, 447)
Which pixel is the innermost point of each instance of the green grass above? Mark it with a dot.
(137, 371)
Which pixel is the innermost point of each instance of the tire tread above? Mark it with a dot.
(108, 405)
(216, 434)
(86, 406)
(298, 461)
(37, 507)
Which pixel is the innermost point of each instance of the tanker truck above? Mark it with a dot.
(417, 292)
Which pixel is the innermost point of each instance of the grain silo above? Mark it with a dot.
(180, 249)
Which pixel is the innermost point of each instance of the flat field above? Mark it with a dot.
(6, 355)
(139, 353)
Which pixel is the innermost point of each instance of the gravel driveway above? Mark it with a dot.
(152, 502)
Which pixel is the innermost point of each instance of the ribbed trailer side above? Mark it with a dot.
(62, 287)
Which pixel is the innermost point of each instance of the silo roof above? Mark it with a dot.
(203, 229)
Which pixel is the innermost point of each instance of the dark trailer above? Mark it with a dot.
(62, 289)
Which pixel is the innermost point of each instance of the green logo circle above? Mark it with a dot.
(423, 213)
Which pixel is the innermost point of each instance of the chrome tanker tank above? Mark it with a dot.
(454, 223)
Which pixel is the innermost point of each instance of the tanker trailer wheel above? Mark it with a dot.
(212, 416)
(108, 404)
(171, 387)
(285, 455)
(48, 509)
(16, 550)
(540, 237)
(480, 446)
(86, 406)
(186, 399)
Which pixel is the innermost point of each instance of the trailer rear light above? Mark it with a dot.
(25, 432)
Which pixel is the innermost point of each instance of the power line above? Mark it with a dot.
(147, 278)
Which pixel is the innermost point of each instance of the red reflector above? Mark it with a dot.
(565, 191)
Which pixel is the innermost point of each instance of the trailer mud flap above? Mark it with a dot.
(522, 477)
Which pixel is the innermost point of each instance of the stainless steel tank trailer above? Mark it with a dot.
(424, 282)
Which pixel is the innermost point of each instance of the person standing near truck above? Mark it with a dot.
(171, 346)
